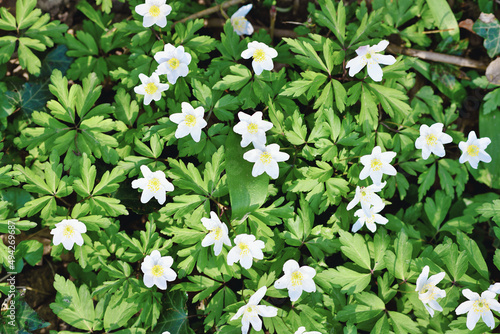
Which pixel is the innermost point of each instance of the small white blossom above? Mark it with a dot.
(473, 150)
(240, 24)
(302, 330)
(495, 288)
(367, 55)
(167, 332)
(428, 292)
(173, 62)
(479, 307)
(368, 219)
(296, 279)
(252, 310)
(153, 184)
(218, 233)
(431, 140)
(190, 121)
(245, 249)
(154, 11)
(368, 199)
(150, 87)
(68, 232)
(262, 56)
(252, 129)
(376, 164)
(266, 159)
(157, 271)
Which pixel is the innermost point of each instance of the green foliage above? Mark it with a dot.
(490, 31)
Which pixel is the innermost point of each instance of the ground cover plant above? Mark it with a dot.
(234, 166)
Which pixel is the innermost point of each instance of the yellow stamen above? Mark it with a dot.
(297, 278)
(266, 158)
(150, 88)
(239, 22)
(431, 140)
(376, 164)
(190, 120)
(218, 233)
(252, 128)
(259, 55)
(173, 63)
(68, 231)
(368, 55)
(473, 150)
(157, 270)
(480, 306)
(154, 185)
(154, 11)
(244, 250)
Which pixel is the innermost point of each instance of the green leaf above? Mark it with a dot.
(490, 210)
(307, 55)
(91, 13)
(368, 306)
(26, 320)
(28, 60)
(119, 310)
(490, 31)
(7, 20)
(349, 280)
(474, 255)
(26, 14)
(332, 19)
(444, 19)
(235, 81)
(174, 318)
(398, 264)
(354, 247)
(247, 193)
(403, 323)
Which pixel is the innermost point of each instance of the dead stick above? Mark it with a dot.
(438, 57)
(210, 10)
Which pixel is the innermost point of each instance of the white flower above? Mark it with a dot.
(190, 121)
(150, 87)
(473, 150)
(262, 56)
(479, 307)
(428, 292)
(154, 11)
(157, 271)
(368, 55)
(296, 279)
(173, 62)
(266, 159)
(302, 330)
(153, 184)
(495, 288)
(240, 24)
(369, 219)
(245, 250)
(377, 164)
(69, 232)
(367, 197)
(217, 235)
(431, 140)
(252, 129)
(167, 332)
(252, 310)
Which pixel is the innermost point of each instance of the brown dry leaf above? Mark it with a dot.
(493, 72)
(467, 24)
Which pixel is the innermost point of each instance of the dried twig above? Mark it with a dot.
(210, 10)
(438, 57)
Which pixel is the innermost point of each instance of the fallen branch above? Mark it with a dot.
(438, 57)
(210, 10)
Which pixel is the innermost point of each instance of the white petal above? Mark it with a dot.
(282, 282)
(217, 247)
(148, 21)
(267, 311)
(295, 293)
(290, 266)
(148, 280)
(233, 256)
(380, 46)
(472, 319)
(146, 196)
(355, 65)
(257, 296)
(256, 323)
(375, 71)
(464, 307)
(384, 59)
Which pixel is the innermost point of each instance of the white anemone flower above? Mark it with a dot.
(252, 310)
(154, 12)
(367, 55)
(473, 150)
(495, 288)
(190, 121)
(302, 330)
(377, 164)
(428, 292)
(262, 56)
(368, 219)
(157, 271)
(150, 87)
(173, 62)
(245, 249)
(240, 24)
(252, 129)
(153, 184)
(368, 199)
(296, 279)
(68, 232)
(431, 140)
(218, 233)
(479, 307)
(266, 159)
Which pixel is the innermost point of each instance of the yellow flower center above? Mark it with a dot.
(157, 270)
(297, 278)
(252, 128)
(239, 22)
(68, 231)
(266, 158)
(173, 63)
(480, 306)
(244, 250)
(218, 233)
(363, 193)
(431, 140)
(150, 88)
(154, 185)
(368, 55)
(376, 164)
(249, 309)
(190, 120)
(473, 150)
(154, 11)
(370, 220)
(259, 55)
(426, 289)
